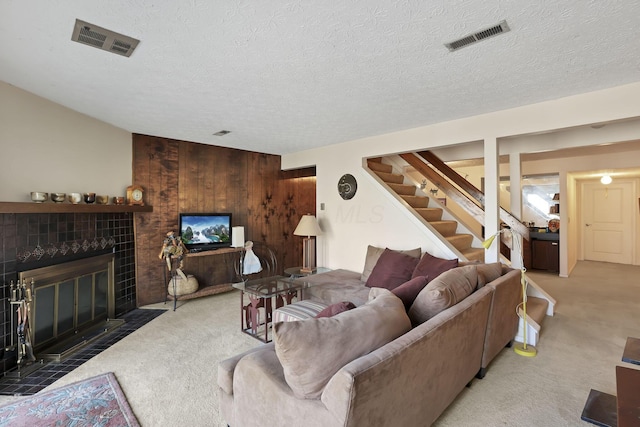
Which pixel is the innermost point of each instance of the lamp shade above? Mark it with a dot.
(308, 226)
(237, 237)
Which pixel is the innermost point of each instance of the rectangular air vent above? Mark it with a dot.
(101, 38)
(467, 40)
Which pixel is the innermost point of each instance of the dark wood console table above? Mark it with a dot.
(623, 410)
(205, 290)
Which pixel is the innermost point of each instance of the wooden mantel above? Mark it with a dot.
(51, 207)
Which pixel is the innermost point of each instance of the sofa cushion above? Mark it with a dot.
(433, 266)
(443, 292)
(488, 273)
(373, 254)
(298, 310)
(312, 351)
(409, 290)
(336, 308)
(392, 270)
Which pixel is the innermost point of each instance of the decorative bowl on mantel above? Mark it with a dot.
(39, 196)
(58, 197)
(102, 199)
(75, 198)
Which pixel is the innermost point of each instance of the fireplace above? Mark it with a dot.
(68, 304)
(32, 240)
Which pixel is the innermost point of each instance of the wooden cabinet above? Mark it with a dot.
(545, 255)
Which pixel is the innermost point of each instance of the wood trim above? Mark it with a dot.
(298, 173)
(32, 207)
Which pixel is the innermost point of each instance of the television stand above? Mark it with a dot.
(206, 289)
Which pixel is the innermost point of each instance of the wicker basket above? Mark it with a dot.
(183, 287)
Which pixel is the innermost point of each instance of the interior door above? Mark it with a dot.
(608, 221)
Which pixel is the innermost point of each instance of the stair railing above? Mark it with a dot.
(470, 198)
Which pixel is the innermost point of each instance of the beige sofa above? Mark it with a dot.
(408, 380)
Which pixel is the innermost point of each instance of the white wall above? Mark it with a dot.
(383, 223)
(47, 147)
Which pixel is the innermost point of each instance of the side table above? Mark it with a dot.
(261, 293)
(623, 410)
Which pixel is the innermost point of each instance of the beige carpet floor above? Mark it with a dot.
(167, 368)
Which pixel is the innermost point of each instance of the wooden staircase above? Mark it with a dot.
(433, 215)
(539, 303)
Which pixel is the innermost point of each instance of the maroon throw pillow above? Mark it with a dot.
(408, 291)
(432, 266)
(336, 308)
(392, 270)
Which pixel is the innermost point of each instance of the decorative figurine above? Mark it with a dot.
(251, 262)
(172, 247)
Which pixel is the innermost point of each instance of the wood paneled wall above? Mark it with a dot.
(181, 176)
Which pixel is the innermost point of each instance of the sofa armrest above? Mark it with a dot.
(503, 320)
(227, 367)
(262, 393)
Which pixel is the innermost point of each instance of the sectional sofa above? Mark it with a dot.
(399, 358)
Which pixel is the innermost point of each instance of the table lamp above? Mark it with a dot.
(308, 227)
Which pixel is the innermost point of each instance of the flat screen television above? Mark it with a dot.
(205, 231)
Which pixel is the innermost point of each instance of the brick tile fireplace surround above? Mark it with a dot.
(32, 240)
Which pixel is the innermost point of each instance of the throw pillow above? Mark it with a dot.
(408, 291)
(336, 308)
(313, 350)
(373, 254)
(488, 273)
(443, 292)
(392, 270)
(433, 266)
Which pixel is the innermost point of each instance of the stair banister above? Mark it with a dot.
(472, 190)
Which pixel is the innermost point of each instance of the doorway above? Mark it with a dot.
(608, 221)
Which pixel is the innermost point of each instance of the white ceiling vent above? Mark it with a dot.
(502, 27)
(101, 38)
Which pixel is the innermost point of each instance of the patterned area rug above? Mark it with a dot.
(96, 401)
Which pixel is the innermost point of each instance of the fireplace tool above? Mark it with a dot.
(22, 298)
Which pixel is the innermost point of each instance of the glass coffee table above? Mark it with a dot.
(264, 293)
(295, 272)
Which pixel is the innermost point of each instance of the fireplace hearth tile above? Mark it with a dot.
(52, 371)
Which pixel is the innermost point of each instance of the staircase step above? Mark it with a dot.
(430, 214)
(379, 167)
(474, 254)
(403, 189)
(446, 228)
(461, 241)
(536, 311)
(390, 177)
(417, 201)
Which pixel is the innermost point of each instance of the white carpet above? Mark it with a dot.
(168, 368)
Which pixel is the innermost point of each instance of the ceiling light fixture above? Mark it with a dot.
(606, 179)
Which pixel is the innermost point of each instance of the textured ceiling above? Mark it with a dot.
(285, 76)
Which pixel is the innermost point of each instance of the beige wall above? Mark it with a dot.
(382, 221)
(47, 147)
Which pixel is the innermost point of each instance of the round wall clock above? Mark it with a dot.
(347, 186)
